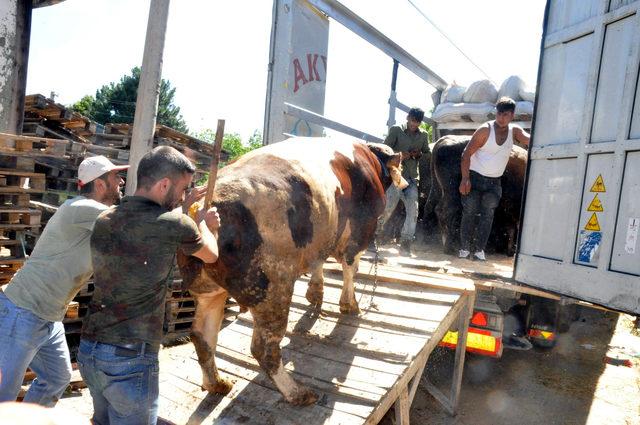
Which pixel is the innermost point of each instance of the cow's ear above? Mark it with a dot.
(395, 160)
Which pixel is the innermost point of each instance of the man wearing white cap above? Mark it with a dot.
(34, 303)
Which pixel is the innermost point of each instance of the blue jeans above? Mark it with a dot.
(409, 196)
(26, 340)
(124, 389)
(478, 207)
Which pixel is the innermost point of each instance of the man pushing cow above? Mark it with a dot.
(133, 249)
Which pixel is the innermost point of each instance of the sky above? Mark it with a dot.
(216, 54)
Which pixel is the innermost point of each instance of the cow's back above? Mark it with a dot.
(286, 206)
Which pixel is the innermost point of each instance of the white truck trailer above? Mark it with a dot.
(582, 196)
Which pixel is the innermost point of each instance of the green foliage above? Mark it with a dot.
(84, 105)
(427, 127)
(232, 143)
(116, 103)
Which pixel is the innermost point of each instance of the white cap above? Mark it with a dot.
(93, 167)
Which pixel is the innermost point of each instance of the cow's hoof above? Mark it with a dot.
(222, 386)
(314, 297)
(303, 397)
(352, 309)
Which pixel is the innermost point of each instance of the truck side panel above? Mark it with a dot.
(582, 202)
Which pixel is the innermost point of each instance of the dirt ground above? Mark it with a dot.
(569, 384)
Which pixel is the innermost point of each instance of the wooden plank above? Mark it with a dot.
(402, 408)
(461, 348)
(479, 279)
(253, 397)
(5, 172)
(360, 365)
(10, 137)
(389, 275)
(420, 359)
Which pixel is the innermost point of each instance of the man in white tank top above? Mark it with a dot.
(483, 163)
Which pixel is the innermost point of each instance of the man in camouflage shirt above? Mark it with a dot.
(133, 249)
(412, 142)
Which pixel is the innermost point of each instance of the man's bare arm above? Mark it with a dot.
(478, 140)
(521, 136)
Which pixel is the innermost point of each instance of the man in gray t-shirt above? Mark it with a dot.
(34, 303)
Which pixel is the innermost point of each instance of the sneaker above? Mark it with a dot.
(516, 343)
(463, 253)
(479, 255)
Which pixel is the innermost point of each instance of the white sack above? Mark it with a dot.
(480, 92)
(453, 93)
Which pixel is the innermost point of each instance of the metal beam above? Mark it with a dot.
(309, 116)
(365, 30)
(406, 109)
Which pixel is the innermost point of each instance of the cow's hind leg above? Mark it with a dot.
(204, 335)
(316, 285)
(270, 325)
(348, 302)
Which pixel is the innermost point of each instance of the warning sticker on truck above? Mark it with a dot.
(598, 185)
(595, 205)
(589, 246)
(632, 236)
(593, 223)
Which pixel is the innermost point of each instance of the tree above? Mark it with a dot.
(232, 143)
(116, 103)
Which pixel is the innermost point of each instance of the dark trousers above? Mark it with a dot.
(477, 211)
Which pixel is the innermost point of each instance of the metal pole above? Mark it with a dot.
(144, 122)
(392, 97)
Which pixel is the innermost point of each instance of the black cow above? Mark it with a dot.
(444, 195)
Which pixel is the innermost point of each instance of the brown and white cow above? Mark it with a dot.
(284, 209)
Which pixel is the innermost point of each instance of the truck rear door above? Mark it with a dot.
(579, 234)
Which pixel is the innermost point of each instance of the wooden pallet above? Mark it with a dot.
(38, 106)
(19, 215)
(17, 181)
(8, 267)
(14, 145)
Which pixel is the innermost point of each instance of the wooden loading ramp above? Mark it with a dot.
(359, 365)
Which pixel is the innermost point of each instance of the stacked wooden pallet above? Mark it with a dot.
(19, 183)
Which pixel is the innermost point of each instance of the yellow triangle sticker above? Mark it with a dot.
(598, 185)
(593, 223)
(595, 205)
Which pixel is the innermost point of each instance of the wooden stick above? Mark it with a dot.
(215, 160)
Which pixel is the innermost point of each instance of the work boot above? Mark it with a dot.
(463, 253)
(405, 248)
(479, 255)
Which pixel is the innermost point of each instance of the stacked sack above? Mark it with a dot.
(477, 102)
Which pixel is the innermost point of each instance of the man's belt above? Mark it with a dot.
(133, 350)
(128, 350)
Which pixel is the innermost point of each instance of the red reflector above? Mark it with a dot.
(479, 319)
